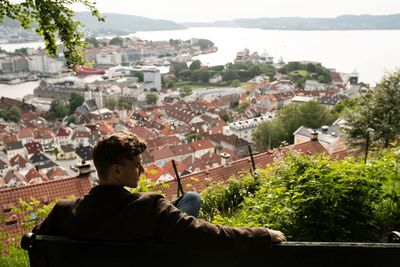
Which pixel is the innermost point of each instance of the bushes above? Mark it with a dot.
(317, 199)
(225, 198)
(11, 255)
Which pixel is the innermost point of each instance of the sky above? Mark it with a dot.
(212, 10)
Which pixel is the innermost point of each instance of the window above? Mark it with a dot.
(7, 208)
(31, 216)
(12, 221)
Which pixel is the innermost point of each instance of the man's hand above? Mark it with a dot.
(276, 236)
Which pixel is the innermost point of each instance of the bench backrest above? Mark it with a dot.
(49, 251)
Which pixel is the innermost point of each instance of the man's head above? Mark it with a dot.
(117, 159)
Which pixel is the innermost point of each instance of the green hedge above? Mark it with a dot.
(313, 198)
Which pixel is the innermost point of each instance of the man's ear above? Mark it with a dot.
(115, 170)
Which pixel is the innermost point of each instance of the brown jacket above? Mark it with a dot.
(113, 213)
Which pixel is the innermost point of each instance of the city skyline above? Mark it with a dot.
(209, 11)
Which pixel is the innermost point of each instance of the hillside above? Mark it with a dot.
(117, 23)
(345, 22)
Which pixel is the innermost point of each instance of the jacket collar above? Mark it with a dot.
(109, 190)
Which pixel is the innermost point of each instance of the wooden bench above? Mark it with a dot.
(49, 251)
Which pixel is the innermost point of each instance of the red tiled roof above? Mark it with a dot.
(33, 173)
(44, 133)
(63, 132)
(26, 133)
(13, 175)
(143, 132)
(182, 149)
(45, 192)
(163, 153)
(18, 160)
(81, 134)
(105, 128)
(153, 172)
(169, 167)
(33, 147)
(9, 138)
(201, 144)
(56, 173)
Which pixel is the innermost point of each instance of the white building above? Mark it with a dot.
(109, 58)
(96, 94)
(152, 76)
(244, 129)
(45, 64)
(311, 85)
(302, 99)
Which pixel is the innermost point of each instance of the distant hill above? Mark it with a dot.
(346, 22)
(117, 23)
(126, 23)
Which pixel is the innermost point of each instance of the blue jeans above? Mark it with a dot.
(189, 203)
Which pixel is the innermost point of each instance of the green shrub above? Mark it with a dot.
(318, 199)
(226, 197)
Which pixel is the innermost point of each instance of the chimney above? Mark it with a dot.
(325, 129)
(84, 169)
(314, 136)
(225, 158)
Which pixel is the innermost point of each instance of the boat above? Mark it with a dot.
(89, 71)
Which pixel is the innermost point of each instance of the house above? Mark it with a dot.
(284, 98)
(181, 168)
(157, 174)
(15, 148)
(181, 112)
(3, 168)
(257, 83)
(311, 85)
(161, 156)
(19, 162)
(94, 136)
(63, 135)
(33, 147)
(183, 151)
(14, 178)
(67, 152)
(330, 101)
(202, 147)
(26, 135)
(105, 129)
(45, 137)
(332, 137)
(102, 114)
(85, 153)
(80, 136)
(42, 162)
(215, 79)
(244, 129)
(33, 176)
(162, 141)
(143, 132)
(302, 99)
(57, 173)
(7, 103)
(271, 102)
(232, 142)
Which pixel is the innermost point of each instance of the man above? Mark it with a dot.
(110, 212)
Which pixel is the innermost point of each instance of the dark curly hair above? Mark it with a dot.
(115, 149)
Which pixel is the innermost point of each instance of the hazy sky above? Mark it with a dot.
(211, 10)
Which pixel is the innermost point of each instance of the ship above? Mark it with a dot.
(89, 71)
